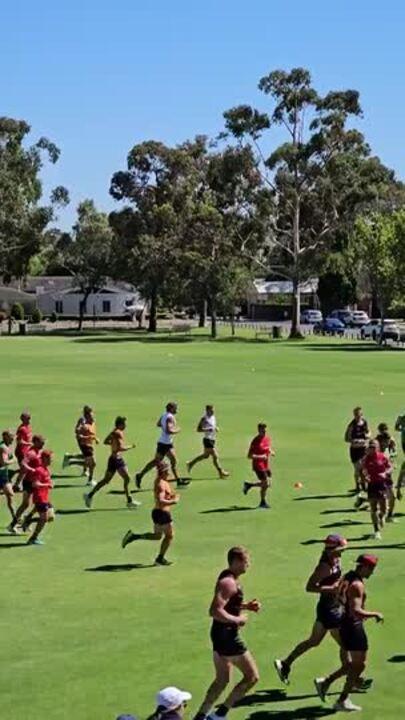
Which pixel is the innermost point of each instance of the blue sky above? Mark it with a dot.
(98, 77)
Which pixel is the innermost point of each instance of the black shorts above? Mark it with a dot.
(226, 641)
(27, 486)
(86, 450)
(357, 454)
(161, 517)
(208, 443)
(330, 618)
(162, 449)
(263, 474)
(353, 636)
(115, 464)
(376, 491)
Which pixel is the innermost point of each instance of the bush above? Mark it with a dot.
(3, 316)
(17, 311)
(53, 317)
(36, 316)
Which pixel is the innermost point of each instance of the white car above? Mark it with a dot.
(373, 330)
(311, 317)
(359, 318)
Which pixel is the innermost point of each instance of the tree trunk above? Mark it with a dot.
(295, 331)
(233, 322)
(213, 319)
(152, 327)
(202, 314)
(82, 310)
(381, 307)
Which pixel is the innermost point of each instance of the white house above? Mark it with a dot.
(271, 299)
(108, 302)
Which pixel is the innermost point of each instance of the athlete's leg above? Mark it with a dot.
(168, 535)
(247, 666)
(204, 455)
(151, 464)
(317, 635)
(223, 672)
(344, 659)
(101, 483)
(264, 486)
(374, 514)
(355, 669)
(215, 459)
(382, 510)
(8, 493)
(44, 517)
(123, 473)
(21, 509)
(173, 462)
(391, 502)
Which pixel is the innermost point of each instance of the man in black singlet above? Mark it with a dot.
(324, 581)
(229, 649)
(353, 635)
(357, 433)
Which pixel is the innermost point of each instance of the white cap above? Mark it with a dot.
(171, 698)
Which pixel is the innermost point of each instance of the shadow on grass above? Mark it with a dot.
(13, 545)
(304, 713)
(70, 477)
(120, 568)
(351, 347)
(343, 524)
(231, 508)
(380, 546)
(64, 486)
(319, 497)
(341, 510)
(397, 659)
(314, 541)
(76, 511)
(273, 695)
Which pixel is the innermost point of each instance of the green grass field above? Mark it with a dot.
(89, 630)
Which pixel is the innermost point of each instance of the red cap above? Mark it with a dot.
(335, 541)
(367, 560)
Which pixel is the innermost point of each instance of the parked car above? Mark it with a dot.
(359, 318)
(374, 328)
(311, 317)
(345, 316)
(329, 326)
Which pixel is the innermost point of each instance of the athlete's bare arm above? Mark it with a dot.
(314, 583)
(223, 592)
(355, 598)
(171, 427)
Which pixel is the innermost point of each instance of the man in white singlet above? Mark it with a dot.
(167, 424)
(208, 426)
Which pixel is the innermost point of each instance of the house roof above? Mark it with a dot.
(283, 287)
(37, 284)
(10, 295)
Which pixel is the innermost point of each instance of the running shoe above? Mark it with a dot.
(282, 670)
(37, 541)
(132, 504)
(346, 706)
(377, 535)
(321, 688)
(162, 561)
(126, 539)
(183, 482)
(246, 488)
(264, 506)
(359, 501)
(65, 462)
(87, 500)
(364, 683)
(224, 474)
(391, 519)
(16, 530)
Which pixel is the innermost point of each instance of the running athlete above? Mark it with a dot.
(259, 452)
(87, 435)
(388, 446)
(208, 426)
(41, 486)
(168, 426)
(401, 481)
(162, 520)
(23, 444)
(325, 581)
(400, 427)
(376, 470)
(32, 460)
(79, 458)
(116, 463)
(357, 434)
(6, 459)
(353, 636)
(228, 648)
